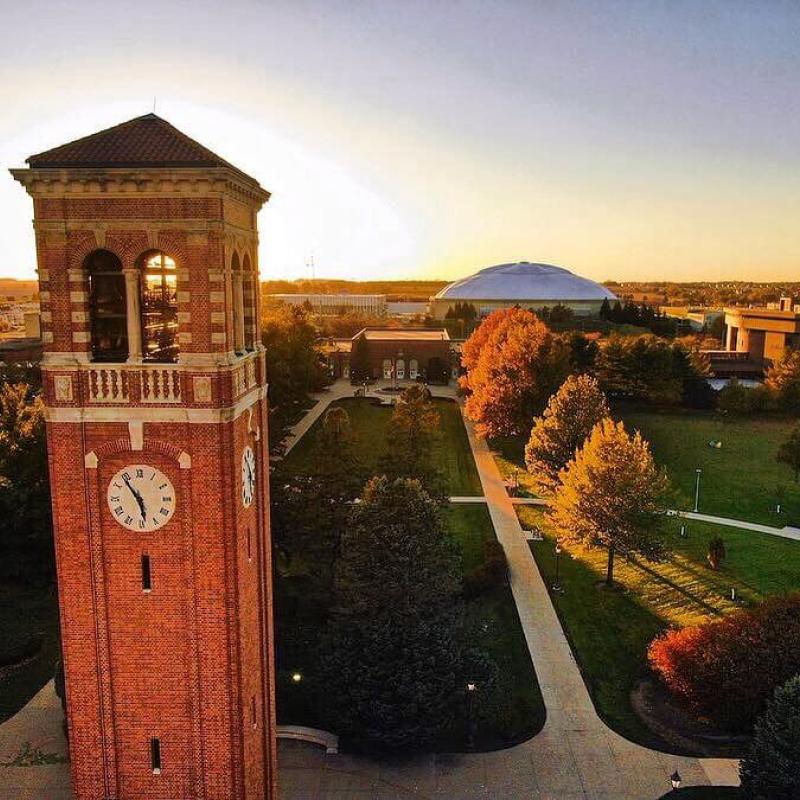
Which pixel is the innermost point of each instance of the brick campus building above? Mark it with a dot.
(155, 388)
(404, 353)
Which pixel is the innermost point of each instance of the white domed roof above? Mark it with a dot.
(524, 281)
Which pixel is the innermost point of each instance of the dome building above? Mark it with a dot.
(523, 284)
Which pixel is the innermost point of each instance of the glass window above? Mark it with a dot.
(155, 755)
(107, 307)
(159, 309)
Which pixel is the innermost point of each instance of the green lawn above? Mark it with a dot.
(368, 421)
(740, 479)
(490, 619)
(610, 629)
(29, 646)
(495, 627)
(509, 454)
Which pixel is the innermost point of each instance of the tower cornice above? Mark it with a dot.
(93, 182)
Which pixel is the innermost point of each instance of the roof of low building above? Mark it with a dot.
(143, 142)
(405, 334)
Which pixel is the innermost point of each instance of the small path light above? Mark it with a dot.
(675, 779)
(557, 585)
(698, 472)
(472, 688)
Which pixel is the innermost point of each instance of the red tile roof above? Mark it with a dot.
(147, 141)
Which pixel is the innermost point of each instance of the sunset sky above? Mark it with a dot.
(423, 139)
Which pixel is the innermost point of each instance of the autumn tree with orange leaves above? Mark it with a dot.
(514, 363)
(612, 495)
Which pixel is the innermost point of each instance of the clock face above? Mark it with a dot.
(248, 476)
(141, 498)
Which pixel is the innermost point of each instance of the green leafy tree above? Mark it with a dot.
(650, 369)
(783, 378)
(293, 363)
(359, 359)
(392, 656)
(335, 463)
(310, 509)
(612, 495)
(771, 770)
(582, 353)
(569, 418)
(411, 437)
(789, 452)
(26, 536)
(514, 363)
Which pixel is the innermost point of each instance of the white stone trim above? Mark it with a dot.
(79, 337)
(136, 432)
(90, 460)
(76, 297)
(196, 416)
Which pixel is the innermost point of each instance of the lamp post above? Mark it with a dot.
(698, 473)
(557, 585)
(471, 689)
(675, 780)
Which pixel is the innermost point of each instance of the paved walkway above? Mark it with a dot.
(35, 735)
(785, 533)
(575, 757)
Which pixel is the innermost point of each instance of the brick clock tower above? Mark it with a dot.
(155, 387)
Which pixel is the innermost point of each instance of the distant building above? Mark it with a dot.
(404, 354)
(763, 333)
(522, 284)
(755, 338)
(33, 325)
(333, 304)
(21, 350)
(693, 318)
(406, 310)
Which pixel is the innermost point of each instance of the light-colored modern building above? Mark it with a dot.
(763, 333)
(692, 318)
(522, 284)
(333, 304)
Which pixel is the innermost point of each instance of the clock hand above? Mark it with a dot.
(137, 496)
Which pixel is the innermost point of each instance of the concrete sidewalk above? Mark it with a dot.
(33, 751)
(784, 533)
